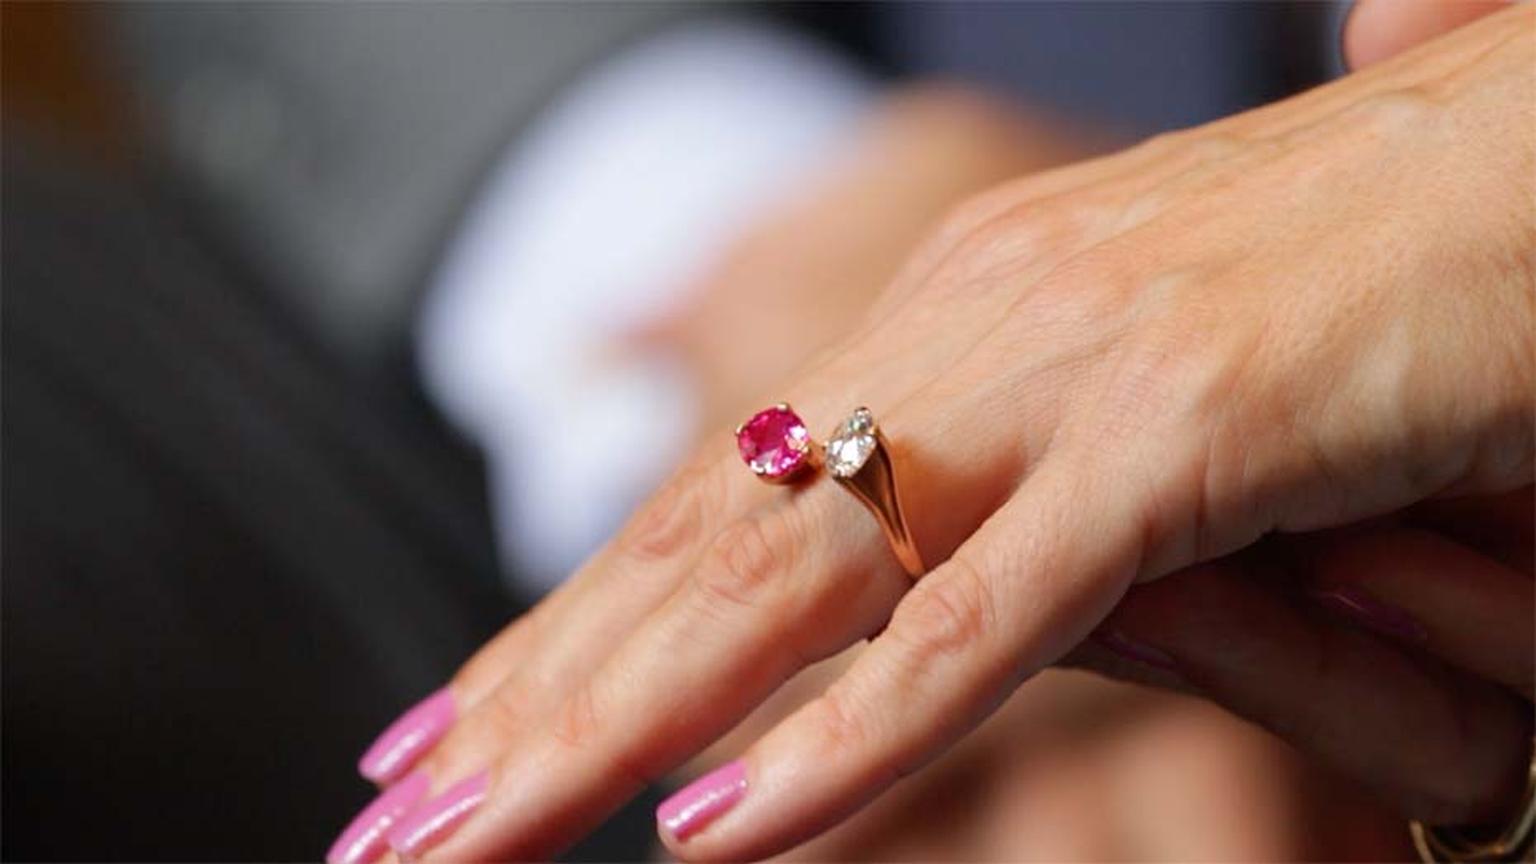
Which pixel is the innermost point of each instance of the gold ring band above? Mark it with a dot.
(1512, 842)
(859, 458)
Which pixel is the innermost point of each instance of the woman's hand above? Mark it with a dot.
(1314, 315)
(811, 265)
(1094, 749)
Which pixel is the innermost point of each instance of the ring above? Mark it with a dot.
(1511, 842)
(775, 445)
(859, 459)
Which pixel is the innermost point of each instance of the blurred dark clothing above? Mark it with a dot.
(226, 565)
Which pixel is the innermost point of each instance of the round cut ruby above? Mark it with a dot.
(774, 443)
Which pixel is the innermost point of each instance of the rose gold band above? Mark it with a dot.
(1513, 841)
(875, 485)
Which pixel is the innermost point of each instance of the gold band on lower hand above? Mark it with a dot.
(1514, 841)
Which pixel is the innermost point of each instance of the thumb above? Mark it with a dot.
(1378, 29)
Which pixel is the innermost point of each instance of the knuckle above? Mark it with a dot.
(978, 209)
(576, 721)
(1167, 344)
(671, 522)
(989, 252)
(495, 721)
(1192, 146)
(1106, 270)
(503, 711)
(1214, 146)
(746, 557)
(487, 729)
(1164, 143)
(1087, 295)
(1003, 240)
(980, 215)
(1162, 339)
(948, 615)
(1394, 110)
(579, 725)
(842, 729)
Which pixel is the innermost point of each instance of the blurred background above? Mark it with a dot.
(317, 320)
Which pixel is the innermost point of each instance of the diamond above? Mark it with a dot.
(774, 443)
(852, 444)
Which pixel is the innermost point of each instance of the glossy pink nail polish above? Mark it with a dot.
(432, 821)
(363, 841)
(1134, 649)
(1355, 603)
(398, 747)
(703, 801)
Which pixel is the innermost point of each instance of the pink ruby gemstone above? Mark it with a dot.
(774, 443)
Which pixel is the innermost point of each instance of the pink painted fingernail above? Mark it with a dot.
(702, 801)
(1134, 649)
(398, 747)
(432, 822)
(364, 840)
(1358, 605)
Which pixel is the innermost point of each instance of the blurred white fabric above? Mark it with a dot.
(598, 215)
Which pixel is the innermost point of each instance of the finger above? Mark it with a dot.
(779, 589)
(775, 592)
(513, 685)
(1436, 595)
(542, 648)
(623, 582)
(1379, 29)
(534, 663)
(1069, 211)
(1442, 744)
(554, 645)
(530, 667)
(1024, 588)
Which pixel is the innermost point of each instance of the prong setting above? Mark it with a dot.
(775, 444)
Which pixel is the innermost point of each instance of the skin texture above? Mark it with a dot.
(802, 277)
(1077, 753)
(1108, 387)
(828, 249)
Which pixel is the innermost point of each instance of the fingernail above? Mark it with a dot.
(703, 801)
(364, 840)
(398, 747)
(1357, 605)
(1133, 649)
(432, 822)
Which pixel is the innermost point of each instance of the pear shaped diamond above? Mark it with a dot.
(851, 445)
